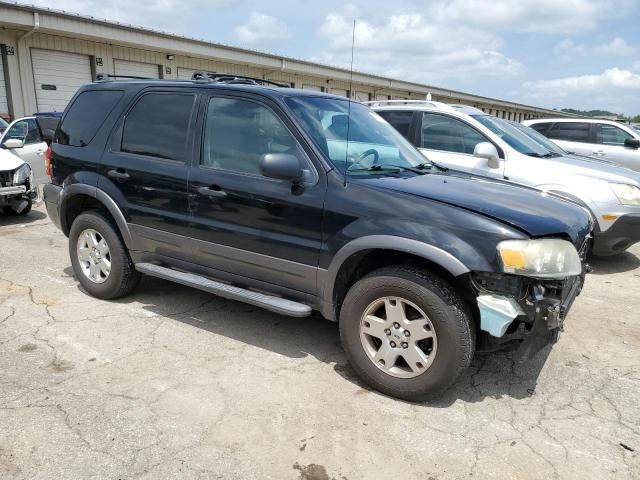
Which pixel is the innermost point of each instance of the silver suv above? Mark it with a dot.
(467, 139)
(606, 139)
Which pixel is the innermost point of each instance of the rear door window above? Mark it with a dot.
(570, 131)
(540, 127)
(158, 126)
(400, 120)
(610, 135)
(85, 116)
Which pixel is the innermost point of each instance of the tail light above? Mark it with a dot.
(47, 162)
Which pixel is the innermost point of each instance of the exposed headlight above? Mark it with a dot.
(22, 174)
(542, 258)
(627, 194)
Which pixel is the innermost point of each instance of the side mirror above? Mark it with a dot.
(12, 143)
(487, 150)
(282, 166)
(632, 143)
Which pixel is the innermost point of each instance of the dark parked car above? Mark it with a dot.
(252, 191)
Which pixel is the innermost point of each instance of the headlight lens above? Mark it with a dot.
(627, 194)
(22, 174)
(542, 258)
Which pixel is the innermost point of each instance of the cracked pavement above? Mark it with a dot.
(171, 382)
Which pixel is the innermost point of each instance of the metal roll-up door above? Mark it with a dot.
(315, 88)
(135, 69)
(185, 73)
(4, 104)
(339, 91)
(57, 77)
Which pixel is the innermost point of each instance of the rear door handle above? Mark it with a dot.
(599, 152)
(212, 191)
(119, 174)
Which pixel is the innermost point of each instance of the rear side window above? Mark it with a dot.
(570, 131)
(85, 116)
(158, 126)
(400, 120)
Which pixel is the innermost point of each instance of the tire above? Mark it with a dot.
(422, 294)
(122, 277)
(26, 210)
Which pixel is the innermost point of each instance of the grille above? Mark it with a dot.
(6, 179)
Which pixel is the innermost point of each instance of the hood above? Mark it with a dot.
(8, 160)
(594, 168)
(527, 209)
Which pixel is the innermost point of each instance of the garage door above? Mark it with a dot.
(4, 105)
(135, 69)
(57, 76)
(361, 96)
(339, 91)
(315, 88)
(185, 73)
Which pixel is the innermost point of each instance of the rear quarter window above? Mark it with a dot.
(85, 116)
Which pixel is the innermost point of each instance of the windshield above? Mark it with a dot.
(373, 143)
(540, 138)
(514, 137)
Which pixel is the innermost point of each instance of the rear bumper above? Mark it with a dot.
(620, 236)
(52, 200)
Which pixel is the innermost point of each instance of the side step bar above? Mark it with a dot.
(268, 302)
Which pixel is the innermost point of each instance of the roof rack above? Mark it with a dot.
(229, 78)
(105, 77)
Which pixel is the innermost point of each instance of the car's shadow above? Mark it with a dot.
(620, 263)
(15, 219)
(490, 375)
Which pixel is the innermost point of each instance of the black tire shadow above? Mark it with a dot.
(11, 219)
(620, 263)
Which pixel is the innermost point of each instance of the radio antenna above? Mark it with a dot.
(346, 153)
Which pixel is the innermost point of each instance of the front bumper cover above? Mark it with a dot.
(543, 307)
(619, 236)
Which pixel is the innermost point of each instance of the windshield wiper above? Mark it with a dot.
(546, 155)
(429, 164)
(387, 168)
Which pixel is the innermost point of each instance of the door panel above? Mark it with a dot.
(146, 167)
(610, 145)
(247, 224)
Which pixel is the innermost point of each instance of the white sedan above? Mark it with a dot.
(34, 146)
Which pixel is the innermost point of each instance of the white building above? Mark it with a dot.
(48, 54)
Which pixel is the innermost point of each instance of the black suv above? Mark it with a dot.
(298, 201)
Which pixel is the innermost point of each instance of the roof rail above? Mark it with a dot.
(105, 77)
(229, 78)
(424, 103)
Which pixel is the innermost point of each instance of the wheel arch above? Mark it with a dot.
(363, 255)
(81, 197)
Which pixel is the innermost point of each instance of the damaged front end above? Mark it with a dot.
(16, 189)
(527, 304)
(523, 312)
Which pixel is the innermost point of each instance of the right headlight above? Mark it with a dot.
(627, 194)
(22, 174)
(542, 258)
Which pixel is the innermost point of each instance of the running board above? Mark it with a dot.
(268, 302)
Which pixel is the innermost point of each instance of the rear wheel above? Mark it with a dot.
(406, 332)
(99, 257)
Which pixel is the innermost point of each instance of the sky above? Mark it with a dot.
(581, 54)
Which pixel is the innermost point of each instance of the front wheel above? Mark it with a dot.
(99, 257)
(406, 332)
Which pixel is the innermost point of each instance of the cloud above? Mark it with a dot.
(542, 16)
(166, 15)
(610, 78)
(616, 47)
(413, 47)
(262, 29)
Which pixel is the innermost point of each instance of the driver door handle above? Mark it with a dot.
(119, 174)
(212, 191)
(599, 152)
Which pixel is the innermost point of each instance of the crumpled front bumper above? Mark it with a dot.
(536, 316)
